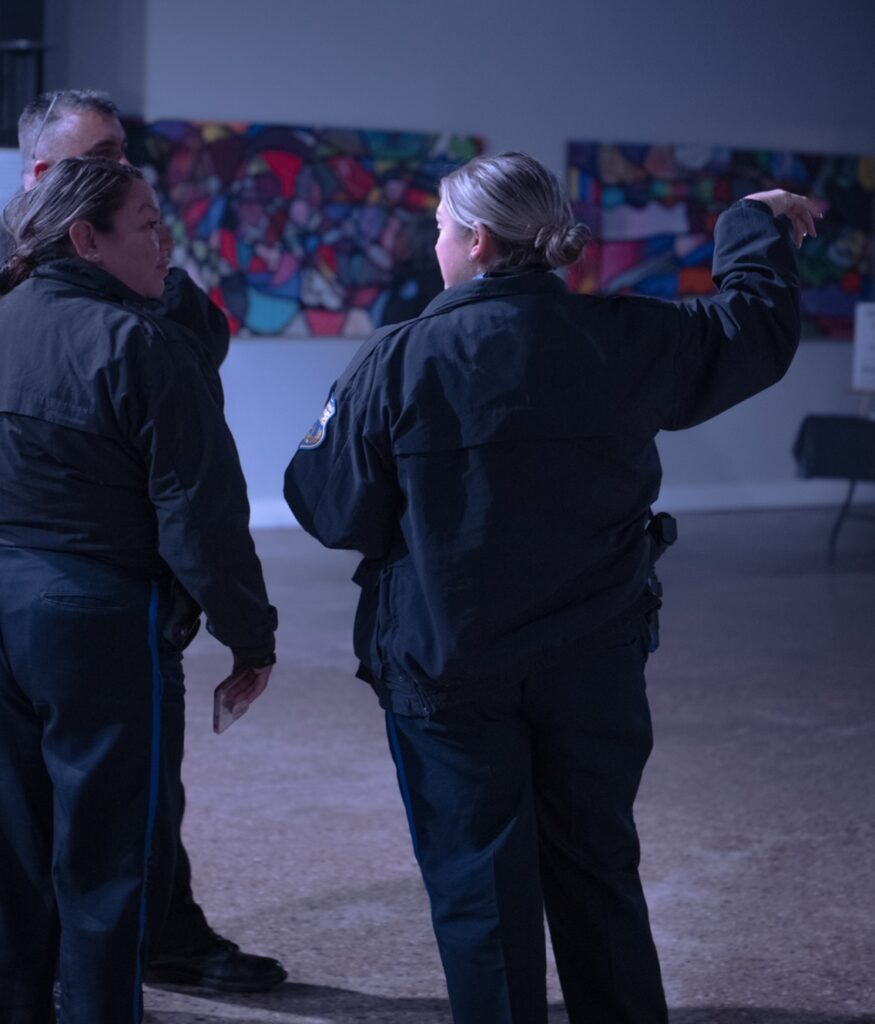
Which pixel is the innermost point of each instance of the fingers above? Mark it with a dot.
(802, 213)
(257, 683)
(805, 214)
(248, 684)
(234, 685)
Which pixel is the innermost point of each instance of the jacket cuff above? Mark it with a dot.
(253, 657)
(757, 204)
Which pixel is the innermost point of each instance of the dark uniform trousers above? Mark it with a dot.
(538, 781)
(91, 727)
(185, 927)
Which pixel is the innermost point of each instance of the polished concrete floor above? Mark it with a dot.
(757, 811)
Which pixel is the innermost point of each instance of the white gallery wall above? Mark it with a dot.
(524, 74)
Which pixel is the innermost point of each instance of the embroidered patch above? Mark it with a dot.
(316, 434)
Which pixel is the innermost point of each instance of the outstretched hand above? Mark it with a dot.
(801, 212)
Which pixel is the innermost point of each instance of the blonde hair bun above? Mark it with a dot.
(523, 207)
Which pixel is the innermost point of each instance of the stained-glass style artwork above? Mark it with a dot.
(652, 210)
(301, 232)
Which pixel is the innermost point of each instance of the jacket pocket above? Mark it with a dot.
(82, 603)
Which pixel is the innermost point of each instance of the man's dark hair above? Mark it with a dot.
(49, 107)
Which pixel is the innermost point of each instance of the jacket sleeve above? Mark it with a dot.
(341, 485)
(742, 340)
(190, 307)
(175, 421)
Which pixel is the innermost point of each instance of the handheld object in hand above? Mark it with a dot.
(225, 710)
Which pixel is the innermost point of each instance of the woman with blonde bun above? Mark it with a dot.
(494, 462)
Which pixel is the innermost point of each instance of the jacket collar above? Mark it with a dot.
(87, 276)
(528, 282)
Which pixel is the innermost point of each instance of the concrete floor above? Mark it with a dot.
(757, 812)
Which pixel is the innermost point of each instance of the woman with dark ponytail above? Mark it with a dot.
(38, 222)
(494, 462)
(123, 514)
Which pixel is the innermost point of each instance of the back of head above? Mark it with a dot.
(89, 189)
(522, 206)
(50, 107)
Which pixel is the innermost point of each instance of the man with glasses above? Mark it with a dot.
(83, 122)
(71, 123)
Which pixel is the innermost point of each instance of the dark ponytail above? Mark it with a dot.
(15, 270)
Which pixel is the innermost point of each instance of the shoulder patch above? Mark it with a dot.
(316, 434)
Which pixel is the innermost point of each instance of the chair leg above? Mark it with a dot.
(843, 512)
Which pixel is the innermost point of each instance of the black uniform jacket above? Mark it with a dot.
(113, 445)
(494, 459)
(182, 301)
(191, 307)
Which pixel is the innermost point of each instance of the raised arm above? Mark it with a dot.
(742, 340)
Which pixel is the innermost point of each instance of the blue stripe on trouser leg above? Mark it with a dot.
(154, 773)
(81, 650)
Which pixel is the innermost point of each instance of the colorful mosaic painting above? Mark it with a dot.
(301, 232)
(652, 210)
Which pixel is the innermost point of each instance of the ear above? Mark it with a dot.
(84, 239)
(482, 251)
(39, 168)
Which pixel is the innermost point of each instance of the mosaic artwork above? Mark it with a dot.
(652, 210)
(301, 232)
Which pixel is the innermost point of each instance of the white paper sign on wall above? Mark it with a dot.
(864, 347)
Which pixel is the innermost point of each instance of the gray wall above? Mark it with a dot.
(527, 75)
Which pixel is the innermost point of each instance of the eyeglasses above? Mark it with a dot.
(43, 124)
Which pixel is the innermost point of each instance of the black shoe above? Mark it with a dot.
(218, 965)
